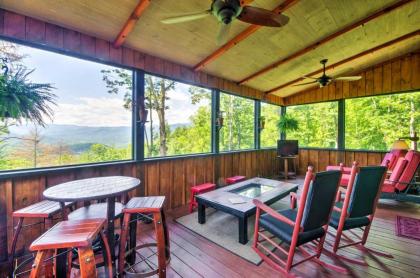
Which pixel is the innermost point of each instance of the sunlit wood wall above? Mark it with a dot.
(397, 75)
(36, 32)
(170, 177)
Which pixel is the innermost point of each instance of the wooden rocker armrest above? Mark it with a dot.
(272, 212)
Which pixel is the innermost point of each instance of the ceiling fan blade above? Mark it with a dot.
(223, 34)
(263, 17)
(348, 78)
(307, 83)
(308, 77)
(186, 17)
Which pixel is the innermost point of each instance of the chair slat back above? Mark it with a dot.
(365, 190)
(320, 199)
(413, 158)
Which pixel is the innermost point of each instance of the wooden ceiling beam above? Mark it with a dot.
(354, 57)
(315, 45)
(240, 37)
(131, 22)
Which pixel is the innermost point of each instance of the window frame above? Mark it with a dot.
(338, 125)
(254, 127)
(282, 108)
(360, 97)
(68, 53)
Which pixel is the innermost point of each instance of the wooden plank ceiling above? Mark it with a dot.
(190, 43)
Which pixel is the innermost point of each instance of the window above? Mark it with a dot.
(270, 134)
(317, 124)
(80, 114)
(237, 132)
(180, 119)
(374, 123)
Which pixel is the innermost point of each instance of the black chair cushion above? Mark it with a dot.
(350, 223)
(284, 231)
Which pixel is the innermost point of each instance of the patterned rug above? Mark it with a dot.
(408, 227)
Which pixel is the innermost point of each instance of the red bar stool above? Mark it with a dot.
(77, 234)
(198, 189)
(235, 179)
(138, 208)
(44, 210)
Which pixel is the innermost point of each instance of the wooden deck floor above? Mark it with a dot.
(195, 256)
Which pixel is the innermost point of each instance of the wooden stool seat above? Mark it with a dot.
(69, 234)
(127, 256)
(144, 204)
(95, 211)
(43, 209)
(198, 189)
(235, 179)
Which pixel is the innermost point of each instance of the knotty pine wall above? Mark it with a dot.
(36, 32)
(170, 177)
(397, 75)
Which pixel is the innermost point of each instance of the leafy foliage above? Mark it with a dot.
(22, 99)
(287, 123)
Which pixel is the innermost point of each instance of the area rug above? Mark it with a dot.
(408, 227)
(222, 229)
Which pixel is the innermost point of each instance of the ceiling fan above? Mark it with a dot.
(324, 79)
(228, 10)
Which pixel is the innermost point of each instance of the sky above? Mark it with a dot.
(82, 95)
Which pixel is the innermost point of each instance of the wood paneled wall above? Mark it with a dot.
(36, 32)
(320, 159)
(397, 75)
(170, 177)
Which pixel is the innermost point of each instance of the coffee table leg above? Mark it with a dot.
(201, 213)
(243, 229)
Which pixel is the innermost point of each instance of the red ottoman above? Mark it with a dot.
(198, 189)
(235, 179)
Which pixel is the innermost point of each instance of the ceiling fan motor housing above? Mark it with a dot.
(226, 10)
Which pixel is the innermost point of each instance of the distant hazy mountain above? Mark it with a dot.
(76, 135)
(81, 137)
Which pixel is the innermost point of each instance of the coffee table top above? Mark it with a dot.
(222, 196)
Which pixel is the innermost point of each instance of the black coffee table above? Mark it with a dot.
(266, 190)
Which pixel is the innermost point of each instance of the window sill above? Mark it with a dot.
(58, 169)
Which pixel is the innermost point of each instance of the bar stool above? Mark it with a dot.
(77, 234)
(45, 210)
(199, 189)
(143, 206)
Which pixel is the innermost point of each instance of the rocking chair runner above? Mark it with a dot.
(358, 208)
(307, 224)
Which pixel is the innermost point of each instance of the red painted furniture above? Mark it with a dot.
(298, 227)
(44, 210)
(403, 175)
(235, 179)
(391, 158)
(143, 206)
(358, 210)
(199, 189)
(77, 234)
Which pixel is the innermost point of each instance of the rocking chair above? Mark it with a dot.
(296, 227)
(358, 208)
